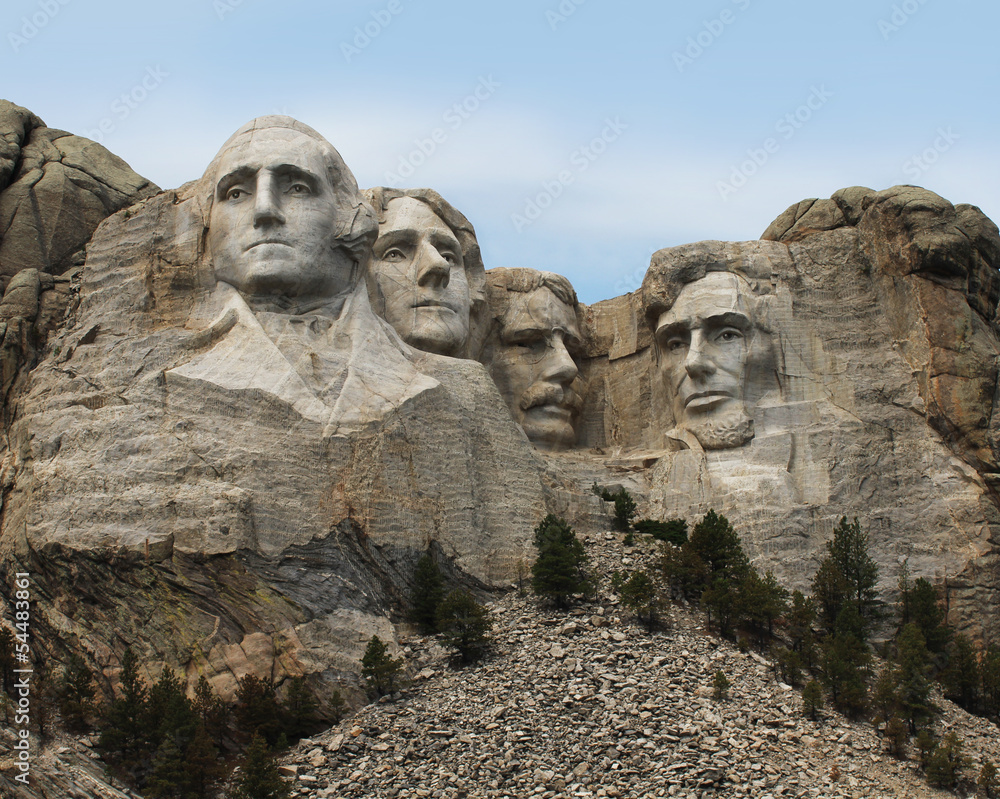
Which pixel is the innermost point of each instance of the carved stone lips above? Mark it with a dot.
(269, 241)
(434, 304)
(705, 399)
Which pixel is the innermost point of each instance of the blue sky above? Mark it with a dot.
(577, 137)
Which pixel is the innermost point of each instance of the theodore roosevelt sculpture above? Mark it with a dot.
(533, 352)
(426, 278)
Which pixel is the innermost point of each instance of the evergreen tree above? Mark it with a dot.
(800, 619)
(170, 712)
(761, 601)
(897, 736)
(428, 591)
(640, 594)
(885, 695)
(257, 710)
(336, 705)
(721, 601)
(944, 768)
(812, 700)
(962, 679)
(715, 542)
(559, 571)
(720, 686)
(845, 665)
(300, 709)
(685, 575)
(169, 778)
(987, 783)
(849, 553)
(212, 712)
(204, 769)
(124, 728)
(924, 609)
(76, 691)
(625, 510)
(465, 625)
(674, 531)
(831, 592)
(258, 776)
(914, 677)
(379, 669)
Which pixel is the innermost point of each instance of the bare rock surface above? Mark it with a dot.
(586, 703)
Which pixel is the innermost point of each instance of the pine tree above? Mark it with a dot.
(845, 665)
(379, 669)
(897, 736)
(257, 710)
(204, 769)
(762, 600)
(559, 571)
(76, 691)
(640, 594)
(428, 591)
(715, 541)
(812, 700)
(989, 670)
(258, 776)
(885, 695)
(849, 553)
(674, 531)
(171, 713)
(625, 510)
(300, 709)
(124, 736)
(944, 768)
(212, 712)
(169, 779)
(962, 679)
(720, 686)
(800, 620)
(924, 609)
(914, 681)
(465, 625)
(987, 783)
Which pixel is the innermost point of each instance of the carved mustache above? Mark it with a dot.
(551, 394)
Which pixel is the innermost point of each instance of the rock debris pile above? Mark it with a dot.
(586, 703)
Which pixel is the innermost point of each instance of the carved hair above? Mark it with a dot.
(524, 281)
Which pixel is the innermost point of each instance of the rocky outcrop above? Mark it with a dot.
(55, 189)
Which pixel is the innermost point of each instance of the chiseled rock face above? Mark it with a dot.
(244, 460)
(846, 367)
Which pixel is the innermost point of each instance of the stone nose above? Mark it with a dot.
(267, 202)
(558, 364)
(433, 270)
(698, 362)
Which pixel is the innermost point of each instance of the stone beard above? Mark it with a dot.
(703, 343)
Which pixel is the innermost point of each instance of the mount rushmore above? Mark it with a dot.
(237, 412)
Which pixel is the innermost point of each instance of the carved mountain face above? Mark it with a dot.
(420, 277)
(271, 228)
